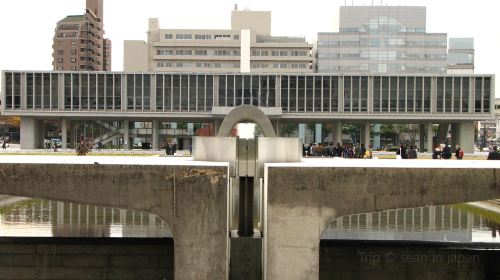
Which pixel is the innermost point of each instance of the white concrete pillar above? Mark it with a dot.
(454, 136)
(276, 126)
(126, 136)
(376, 135)
(30, 133)
(421, 134)
(302, 132)
(246, 41)
(430, 136)
(466, 136)
(155, 134)
(64, 133)
(337, 132)
(365, 134)
(215, 127)
(317, 133)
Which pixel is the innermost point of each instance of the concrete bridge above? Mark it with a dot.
(299, 199)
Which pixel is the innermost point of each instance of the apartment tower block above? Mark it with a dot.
(79, 42)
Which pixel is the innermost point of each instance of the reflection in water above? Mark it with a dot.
(42, 218)
(431, 223)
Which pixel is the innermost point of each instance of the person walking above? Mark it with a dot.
(4, 145)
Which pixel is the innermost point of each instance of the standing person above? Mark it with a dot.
(340, 150)
(362, 151)
(174, 148)
(167, 149)
(412, 153)
(402, 152)
(459, 153)
(4, 145)
(494, 154)
(368, 153)
(436, 153)
(446, 152)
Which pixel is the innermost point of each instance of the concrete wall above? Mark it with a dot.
(86, 258)
(346, 260)
(302, 201)
(135, 55)
(191, 199)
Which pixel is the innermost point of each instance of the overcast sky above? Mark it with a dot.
(27, 26)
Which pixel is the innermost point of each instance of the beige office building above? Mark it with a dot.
(247, 47)
(79, 43)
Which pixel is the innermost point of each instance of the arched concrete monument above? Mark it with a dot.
(246, 113)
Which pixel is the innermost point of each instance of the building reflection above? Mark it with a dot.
(431, 223)
(64, 219)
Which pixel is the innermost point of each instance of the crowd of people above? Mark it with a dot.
(446, 153)
(343, 151)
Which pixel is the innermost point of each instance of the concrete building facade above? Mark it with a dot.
(160, 98)
(247, 47)
(79, 43)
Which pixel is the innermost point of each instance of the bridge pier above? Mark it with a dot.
(301, 202)
(191, 199)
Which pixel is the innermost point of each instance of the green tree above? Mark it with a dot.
(288, 129)
(353, 130)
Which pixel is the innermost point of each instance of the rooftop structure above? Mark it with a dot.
(461, 56)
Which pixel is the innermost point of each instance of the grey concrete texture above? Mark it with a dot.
(246, 258)
(302, 201)
(246, 113)
(192, 200)
(389, 260)
(86, 258)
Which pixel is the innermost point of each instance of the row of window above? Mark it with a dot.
(280, 65)
(401, 29)
(182, 52)
(382, 55)
(279, 53)
(380, 68)
(178, 92)
(169, 64)
(382, 43)
(170, 36)
(203, 52)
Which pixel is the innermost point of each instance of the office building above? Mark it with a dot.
(247, 47)
(79, 43)
(382, 39)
